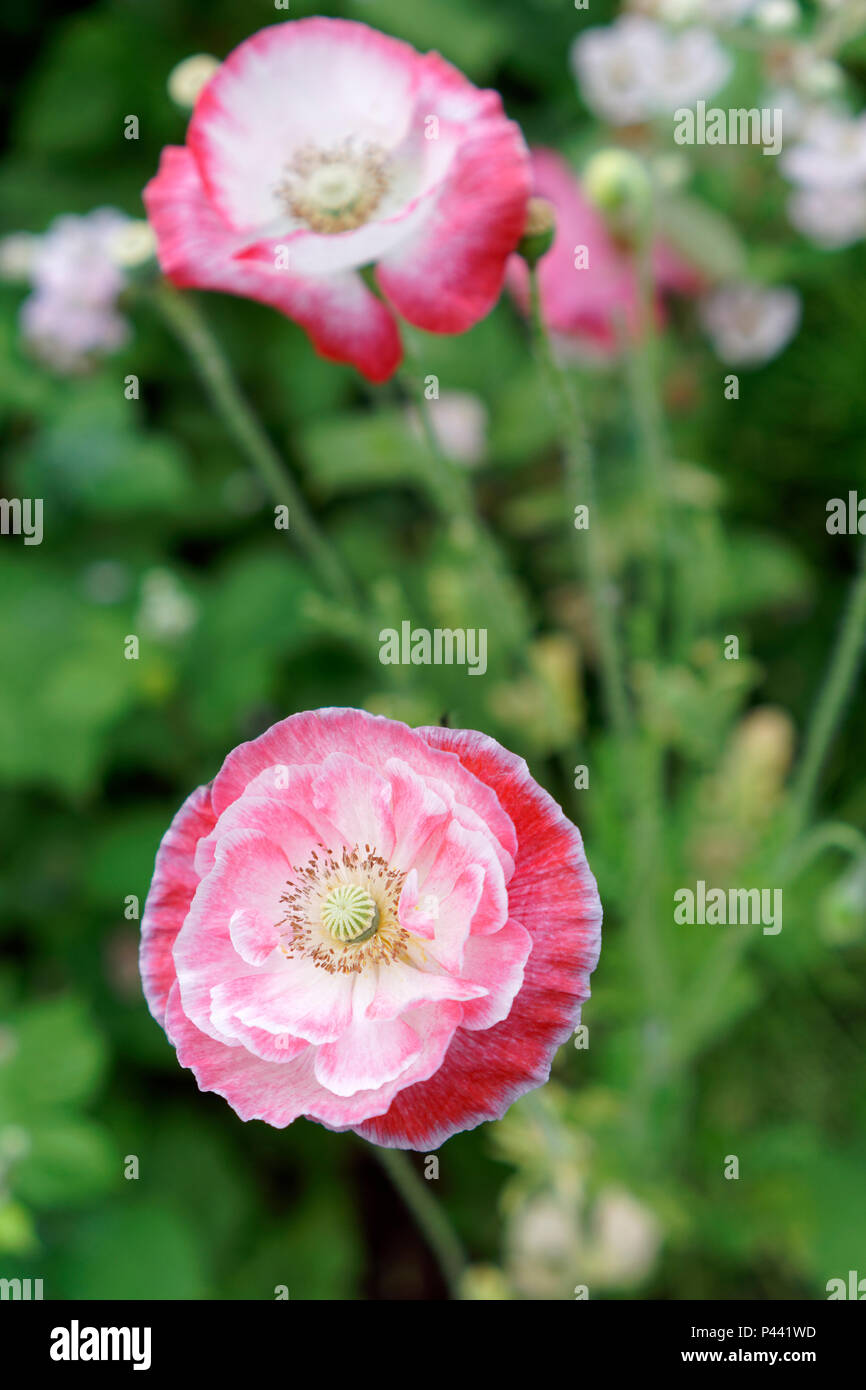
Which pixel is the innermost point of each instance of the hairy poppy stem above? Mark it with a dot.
(430, 1216)
(186, 320)
(652, 445)
(831, 702)
(580, 477)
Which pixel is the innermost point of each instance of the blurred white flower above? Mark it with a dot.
(544, 1243)
(556, 1239)
(831, 217)
(798, 112)
(775, 16)
(831, 152)
(187, 80)
(625, 1239)
(633, 69)
(71, 314)
(459, 421)
(618, 68)
(749, 325)
(695, 65)
(166, 611)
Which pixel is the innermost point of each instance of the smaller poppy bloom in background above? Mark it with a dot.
(588, 282)
(320, 147)
(384, 929)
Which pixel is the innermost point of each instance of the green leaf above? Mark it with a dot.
(67, 683)
(137, 1248)
(56, 1058)
(70, 1162)
(702, 235)
(354, 452)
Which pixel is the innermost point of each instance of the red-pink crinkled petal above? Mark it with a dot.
(553, 895)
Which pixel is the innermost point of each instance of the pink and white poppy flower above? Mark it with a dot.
(320, 147)
(384, 929)
(588, 284)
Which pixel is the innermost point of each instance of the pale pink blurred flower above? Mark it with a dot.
(71, 316)
(587, 308)
(459, 421)
(748, 325)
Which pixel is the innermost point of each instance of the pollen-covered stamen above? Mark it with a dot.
(334, 190)
(349, 913)
(341, 912)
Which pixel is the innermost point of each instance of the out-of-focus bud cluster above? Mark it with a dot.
(562, 1231)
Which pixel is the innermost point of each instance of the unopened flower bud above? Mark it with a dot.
(617, 182)
(539, 231)
(133, 244)
(189, 78)
(16, 256)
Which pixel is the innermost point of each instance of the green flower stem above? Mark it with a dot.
(847, 839)
(641, 352)
(832, 700)
(430, 1216)
(184, 317)
(579, 475)
(453, 497)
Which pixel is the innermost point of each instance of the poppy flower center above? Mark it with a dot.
(334, 190)
(342, 911)
(349, 913)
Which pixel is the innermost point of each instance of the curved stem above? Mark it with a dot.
(580, 477)
(832, 835)
(430, 1216)
(186, 320)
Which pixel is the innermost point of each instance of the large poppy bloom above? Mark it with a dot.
(320, 147)
(384, 929)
